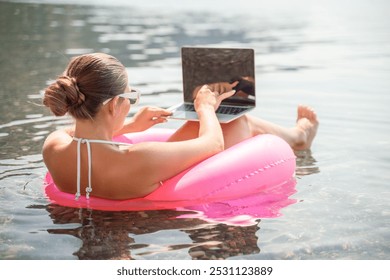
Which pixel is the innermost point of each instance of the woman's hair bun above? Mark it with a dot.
(86, 83)
(63, 96)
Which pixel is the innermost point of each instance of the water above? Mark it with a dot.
(333, 55)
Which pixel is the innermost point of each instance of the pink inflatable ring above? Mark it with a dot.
(253, 166)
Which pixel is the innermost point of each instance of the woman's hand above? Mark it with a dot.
(145, 118)
(211, 95)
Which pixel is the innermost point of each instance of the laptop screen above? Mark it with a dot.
(220, 66)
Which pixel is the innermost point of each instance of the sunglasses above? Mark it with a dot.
(133, 97)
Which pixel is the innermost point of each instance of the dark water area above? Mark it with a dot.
(333, 56)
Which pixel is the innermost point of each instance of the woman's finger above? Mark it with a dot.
(226, 94)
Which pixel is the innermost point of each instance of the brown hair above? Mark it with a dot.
(88, 80)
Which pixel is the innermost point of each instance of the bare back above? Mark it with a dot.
(112, 173)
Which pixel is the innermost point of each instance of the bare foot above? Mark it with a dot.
(306, 127)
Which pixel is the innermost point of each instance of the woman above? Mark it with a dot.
(94, 90)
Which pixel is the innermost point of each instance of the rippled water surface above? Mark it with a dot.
(332, 55)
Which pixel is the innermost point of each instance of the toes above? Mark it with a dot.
(312, 115)
(306, 112)
(302, 112)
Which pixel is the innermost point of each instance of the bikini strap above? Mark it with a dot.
(80, 141)
(88, 189)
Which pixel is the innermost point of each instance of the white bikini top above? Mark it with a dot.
(80, 141)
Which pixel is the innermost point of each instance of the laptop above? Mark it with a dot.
(233, 68)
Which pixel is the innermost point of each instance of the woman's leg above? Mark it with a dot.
(299, 137)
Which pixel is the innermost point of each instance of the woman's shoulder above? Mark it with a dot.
(56, 140)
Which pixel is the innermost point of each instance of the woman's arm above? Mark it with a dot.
(151, 162)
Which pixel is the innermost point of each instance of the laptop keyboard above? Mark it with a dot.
(228, 110)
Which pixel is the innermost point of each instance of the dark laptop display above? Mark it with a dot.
(223, 66)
